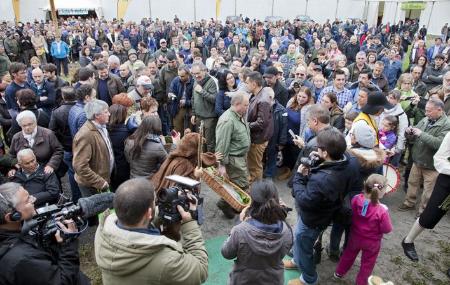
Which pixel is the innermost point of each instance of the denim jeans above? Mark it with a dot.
(271, 161)
(165, 119)
(76, 194)
(305, 238)
(335, 237)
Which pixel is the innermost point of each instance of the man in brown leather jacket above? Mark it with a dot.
(260, 121)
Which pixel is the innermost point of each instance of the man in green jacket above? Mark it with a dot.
(233, 141)
(204, 102)
(426, 137)
(130, 250)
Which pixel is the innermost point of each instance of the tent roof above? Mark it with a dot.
(69, 4)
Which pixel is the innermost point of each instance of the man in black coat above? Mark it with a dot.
(56, 81)
(272, 81)
(24, 261)
(43, 186)
(318, 192)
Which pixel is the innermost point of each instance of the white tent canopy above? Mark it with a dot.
(74, 4)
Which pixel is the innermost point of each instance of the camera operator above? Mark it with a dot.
(23, 259)
(318, 190)
(130, 250)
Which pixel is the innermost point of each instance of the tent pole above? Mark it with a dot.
(431, 13)
(54, 19)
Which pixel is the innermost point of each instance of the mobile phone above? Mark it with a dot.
(292, 134)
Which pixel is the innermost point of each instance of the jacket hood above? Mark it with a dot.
(263, 242)
(369, 158)
(397, 110)
(125, 252)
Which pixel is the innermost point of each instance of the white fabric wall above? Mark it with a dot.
(372, 13)
(7, 11)
(440, 16)
(319, 10)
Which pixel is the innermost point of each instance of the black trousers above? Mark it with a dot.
(432, 214)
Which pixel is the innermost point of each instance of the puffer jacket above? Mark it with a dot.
(150, 159)
(130, 257)
(370, 160)
(258, 250)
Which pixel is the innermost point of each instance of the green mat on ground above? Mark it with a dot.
(219, 267)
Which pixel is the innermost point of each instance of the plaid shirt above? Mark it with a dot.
(343, 97)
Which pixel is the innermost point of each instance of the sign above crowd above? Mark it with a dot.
(73, 11)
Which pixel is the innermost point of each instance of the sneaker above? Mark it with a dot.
(410, 250)
(332, 255)
(375, 280)
(226, 209)
(289, 264)
(403, 208)
(296, 282)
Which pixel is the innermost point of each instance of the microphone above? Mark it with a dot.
(95, 204)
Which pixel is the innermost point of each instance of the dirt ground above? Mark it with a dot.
(433, 246)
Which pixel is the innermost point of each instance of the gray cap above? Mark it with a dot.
(364, 135)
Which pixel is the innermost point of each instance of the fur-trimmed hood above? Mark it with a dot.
(369, 158)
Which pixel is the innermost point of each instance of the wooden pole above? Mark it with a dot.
(53, 10)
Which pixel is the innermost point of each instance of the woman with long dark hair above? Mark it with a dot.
(144, 149)
(260, 242)
(118, 133)
(227, 83)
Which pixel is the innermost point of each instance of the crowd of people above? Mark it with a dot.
(320, 106)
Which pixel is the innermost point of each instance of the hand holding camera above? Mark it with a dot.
(186, 216)
(67, 227)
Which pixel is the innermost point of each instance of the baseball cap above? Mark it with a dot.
(145, 82)
(162, 41)
(364, 135)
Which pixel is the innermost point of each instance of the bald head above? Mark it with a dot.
(38, 75)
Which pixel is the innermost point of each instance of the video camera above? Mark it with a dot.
(169, 198)
(44, 224)
(311, 161)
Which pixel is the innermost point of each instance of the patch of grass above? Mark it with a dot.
(397, 260)
(409, 277)
(88, 264)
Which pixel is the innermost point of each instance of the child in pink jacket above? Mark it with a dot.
(370, 220)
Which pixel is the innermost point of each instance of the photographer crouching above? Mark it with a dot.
(319, 187)
(130, 250)
(24, 260)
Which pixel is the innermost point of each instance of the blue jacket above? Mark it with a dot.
(430, 51)
(48, 91)
(177, 88)
(318, 195)
(223, 103)
(392, 71)
(77, 118)
(63, 51)
(10, 96)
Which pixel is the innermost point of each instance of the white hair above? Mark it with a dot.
(94, 107)
(25, 114)
(113, 59)
(25, 152)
